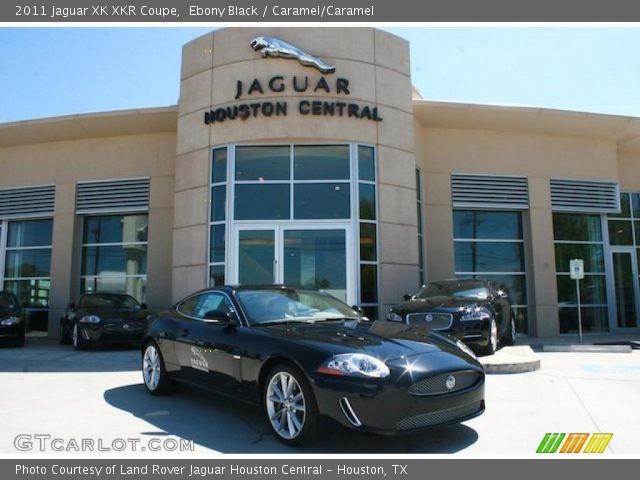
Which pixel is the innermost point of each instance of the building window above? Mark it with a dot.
(420, 226)
(218, 216)
(490, 245)
(368, 231)
(114, 254)
(580, 236)
(27, 269)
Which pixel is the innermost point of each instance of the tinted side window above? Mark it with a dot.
(199, 305)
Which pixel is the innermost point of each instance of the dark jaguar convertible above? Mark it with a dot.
(474, 311)
(103, 318)
(302, 353)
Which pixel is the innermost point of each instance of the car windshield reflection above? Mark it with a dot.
(109, 301)
(463, 289)
(291, 306)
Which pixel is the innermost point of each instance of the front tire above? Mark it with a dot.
(492, 341)
(290, 405)
(76, 337)
(510, 335)
(154, 374)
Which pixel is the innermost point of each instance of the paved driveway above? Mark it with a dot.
(53, 390)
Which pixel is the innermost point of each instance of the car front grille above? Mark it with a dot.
(437, 385)
(438, 418)
(434, 321)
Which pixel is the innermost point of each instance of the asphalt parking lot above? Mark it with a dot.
(52, 390)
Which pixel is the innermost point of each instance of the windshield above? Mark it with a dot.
(462, 289)
(282, 305)
(7, 300)
(108, 301)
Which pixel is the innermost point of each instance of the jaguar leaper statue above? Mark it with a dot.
(274, 47)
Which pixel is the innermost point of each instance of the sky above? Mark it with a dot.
(47, 72)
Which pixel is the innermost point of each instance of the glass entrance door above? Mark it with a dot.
(625, 286)
(301, 256)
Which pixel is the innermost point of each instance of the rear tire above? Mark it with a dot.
(64, 336)
(290, 406)
(154, 374)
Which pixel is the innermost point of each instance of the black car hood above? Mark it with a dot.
(382, 339)
(8, 312)
(439, 304)
(124, 314)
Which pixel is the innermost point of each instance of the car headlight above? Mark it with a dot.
(462, 346)
(394, 317)
(10, 321)
(475, 314)
(355, 365)
(90, 319)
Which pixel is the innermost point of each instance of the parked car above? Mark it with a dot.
(474, 311)
(302, 353)
(12, 325)
(100, 318)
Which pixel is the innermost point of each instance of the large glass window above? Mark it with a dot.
(490, 245)
(316, 177)
(624, 230)
(580, 236)
(114, 255)
(27, 269)
(278, 184)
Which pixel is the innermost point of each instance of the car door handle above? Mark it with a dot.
(184, 332)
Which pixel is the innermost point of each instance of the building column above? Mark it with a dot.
(438, 226)
(63, 261)
(160, 243)
(543, 302)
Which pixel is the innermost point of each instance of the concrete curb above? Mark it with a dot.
(508, 360)
(588, 348)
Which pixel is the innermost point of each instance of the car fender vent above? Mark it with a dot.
(349, 413)
(489, 191)
(27, 201)
(128, 195)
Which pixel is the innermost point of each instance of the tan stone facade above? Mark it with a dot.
(172, 147)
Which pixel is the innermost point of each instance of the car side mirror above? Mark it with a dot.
(143, 306)
(502, 294)
(219, 316)
(407, 297)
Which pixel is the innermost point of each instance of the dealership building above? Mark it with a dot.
(304, 156)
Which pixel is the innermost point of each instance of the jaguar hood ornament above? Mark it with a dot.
(274, 47)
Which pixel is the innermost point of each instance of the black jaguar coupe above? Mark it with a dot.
(474, 311)
(103, 318)
(301, 354)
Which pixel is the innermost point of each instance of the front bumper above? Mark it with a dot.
(12, 331)
(111, 333)
(474, 333)
(390, 409)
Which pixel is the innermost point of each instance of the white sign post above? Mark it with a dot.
(576, 269)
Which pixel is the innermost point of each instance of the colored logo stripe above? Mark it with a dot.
(598, 442)
(550, 443)
(574, 442)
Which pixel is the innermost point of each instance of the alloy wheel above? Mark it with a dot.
(151, 367)
(286, 405)
(75, 335)
(493, 336)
